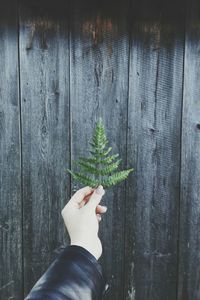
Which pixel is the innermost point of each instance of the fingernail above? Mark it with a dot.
(105, 208)
(99, 190)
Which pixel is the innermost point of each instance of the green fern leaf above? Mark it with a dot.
(84, 179)
(101, 165)
(88, 167)
(93, 170)
(109, 159)
(110, 168)
(116, 178)
(90, 160)
(104, 161)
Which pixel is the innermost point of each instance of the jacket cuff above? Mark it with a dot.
(78, 251)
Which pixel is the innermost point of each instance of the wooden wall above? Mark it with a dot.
(137, 65)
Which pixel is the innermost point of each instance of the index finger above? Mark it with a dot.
(78, 197)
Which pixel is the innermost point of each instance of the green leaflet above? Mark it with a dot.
(104, 161)
(101, 165)
(100, 153)
(116, 178)
(84, 179)
(93, 170)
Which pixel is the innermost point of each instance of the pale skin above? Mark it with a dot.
(82, 215)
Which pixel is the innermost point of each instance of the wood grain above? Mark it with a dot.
(154, 130)
(135, 64)
(189, 268)
(44, 68)
(10, 158)
(98, 87)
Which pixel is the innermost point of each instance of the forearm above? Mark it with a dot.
(74, 275)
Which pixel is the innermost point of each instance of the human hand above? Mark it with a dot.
(82, 215)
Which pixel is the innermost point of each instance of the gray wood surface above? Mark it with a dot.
(98, 87)
(64, 64)
(44, 69)
(10, 157)
(189, 267)
(154, 128)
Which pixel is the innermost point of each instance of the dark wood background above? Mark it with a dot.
(137, 65)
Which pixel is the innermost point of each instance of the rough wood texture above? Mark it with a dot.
(44, 68)
(10, 158)
(128, 62)
(98, 87)
(189, 270)
(154, 128)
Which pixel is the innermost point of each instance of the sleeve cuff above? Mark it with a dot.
(74, 249)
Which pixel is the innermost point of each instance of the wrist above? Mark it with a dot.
(95, 250)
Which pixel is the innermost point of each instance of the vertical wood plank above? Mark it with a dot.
(10, 158)
(44, 67)
(154, 128)
(189, 267)
(98, 87)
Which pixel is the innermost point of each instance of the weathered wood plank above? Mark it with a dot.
(154, 127)
(189, 268)
(10, 158)
(98, 87)
(44, 66)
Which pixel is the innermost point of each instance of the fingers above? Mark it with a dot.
(79, 196)
(85, 200)
(98, 217)
(100, 209)
(95, 198)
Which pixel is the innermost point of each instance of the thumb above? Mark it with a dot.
(96, 197)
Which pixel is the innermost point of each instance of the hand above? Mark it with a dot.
(82, 215)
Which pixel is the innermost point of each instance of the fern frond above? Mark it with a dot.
(104, 161)
(88, 167)
(101, 145)
(99, 138)
(90, 160)
(100, 154)
(103, 171)
(100, 164)
(109, 159)
(116, 178)
(110, 168)
(104, 153)
(84, 179)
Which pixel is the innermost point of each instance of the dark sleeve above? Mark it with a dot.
(74, 275)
